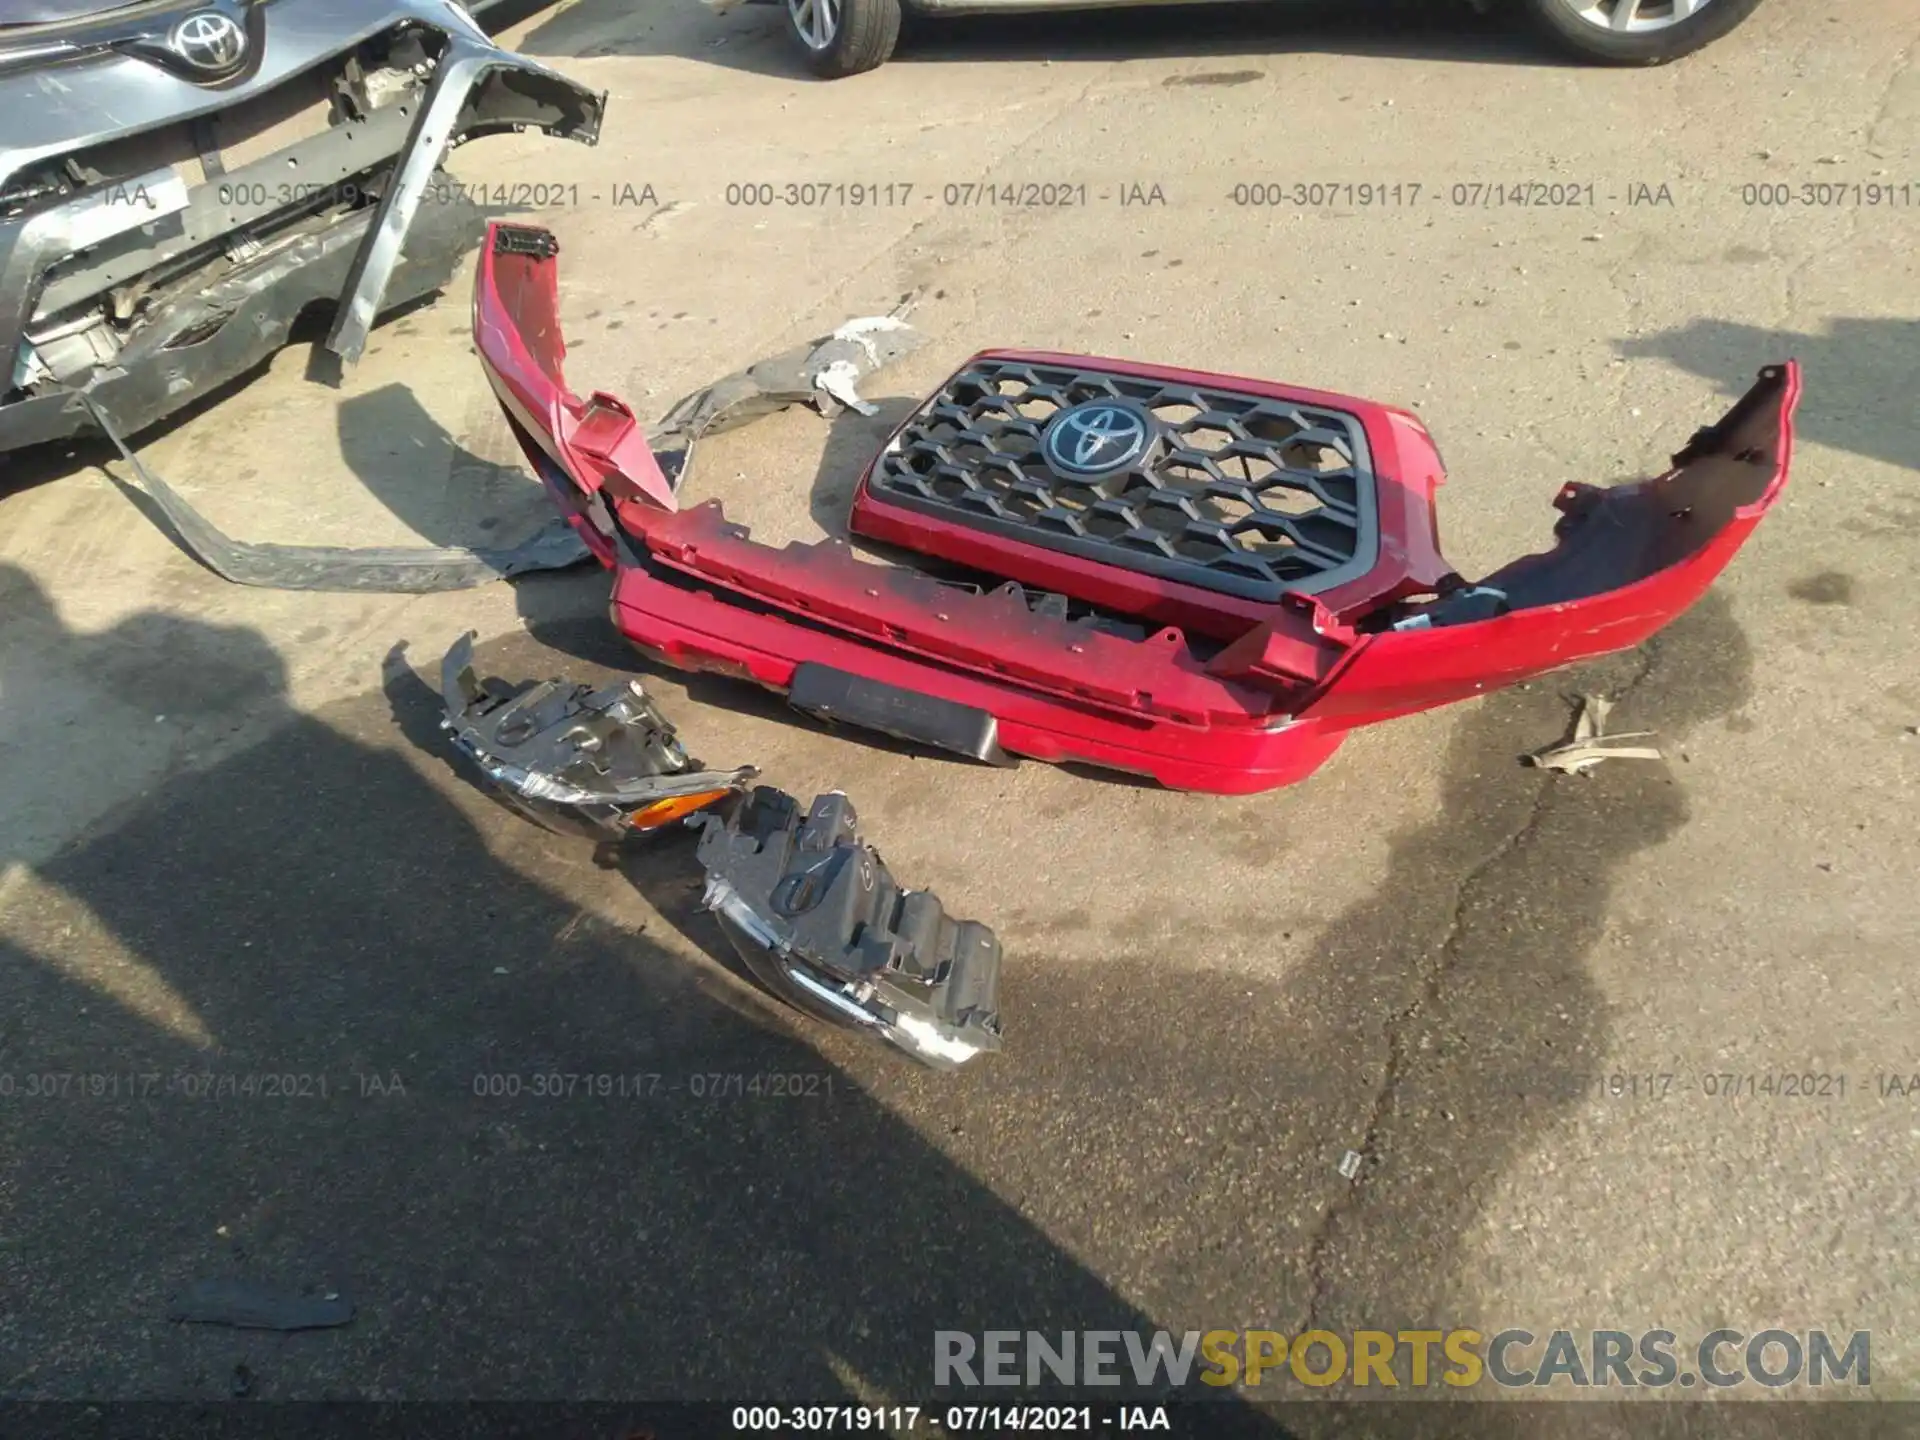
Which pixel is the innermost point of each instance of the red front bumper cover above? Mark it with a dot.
(1222, 694)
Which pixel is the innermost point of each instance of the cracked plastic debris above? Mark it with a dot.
(1590, 744)
(838, 382)
(819, 920)
(601, 763)
(823, 373)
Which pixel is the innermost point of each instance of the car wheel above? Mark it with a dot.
(844, 37)
(1638, 32)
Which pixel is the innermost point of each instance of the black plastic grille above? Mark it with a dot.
(1235, 492)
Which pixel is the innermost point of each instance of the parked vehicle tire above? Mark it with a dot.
(1638, 32)
(844, 37)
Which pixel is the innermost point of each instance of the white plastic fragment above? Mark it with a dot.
(840, 380)
(861, 331)
(1590, 742)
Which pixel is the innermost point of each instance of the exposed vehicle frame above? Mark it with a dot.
(1076, 653)
(181, 180)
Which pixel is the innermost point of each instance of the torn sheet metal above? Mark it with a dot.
(388, 570)
(604, 763)
(1590, 743)
(158, 235)
(818, 919)
(477, 89)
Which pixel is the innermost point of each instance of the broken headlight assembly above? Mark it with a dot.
(605, 763)
(1206, 579)
(809, 907)
(820, 921)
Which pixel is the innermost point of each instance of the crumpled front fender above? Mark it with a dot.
(477, 89)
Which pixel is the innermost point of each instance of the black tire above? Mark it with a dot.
(1653, 47)
(864, 38)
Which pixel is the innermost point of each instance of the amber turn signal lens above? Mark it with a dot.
(665, 812)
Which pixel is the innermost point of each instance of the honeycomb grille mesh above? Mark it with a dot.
(1235, 492)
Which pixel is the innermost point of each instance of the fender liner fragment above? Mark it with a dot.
(600, 437)
(395, 570)
(821, 922)
(822, 373)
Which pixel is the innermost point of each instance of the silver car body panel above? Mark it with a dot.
(104, 94)
(470, 68)
(80, 220)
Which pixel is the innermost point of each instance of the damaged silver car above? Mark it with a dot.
(181, 181)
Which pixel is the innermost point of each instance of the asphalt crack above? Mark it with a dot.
(1445, 955)
(1884, 108)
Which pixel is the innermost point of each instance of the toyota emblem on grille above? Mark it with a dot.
(208, 42)
(1097, 437)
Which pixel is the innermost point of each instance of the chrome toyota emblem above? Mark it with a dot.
(1097, 437)
(208, 42)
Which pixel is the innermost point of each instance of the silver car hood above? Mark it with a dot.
(77, 84)
(52, 12)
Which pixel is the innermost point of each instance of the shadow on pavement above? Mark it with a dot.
(1443, 1027)
(338, 910)
(431, 481)
(288, 993)
(1861, 376)
(1492, 1027)
(852, 442)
